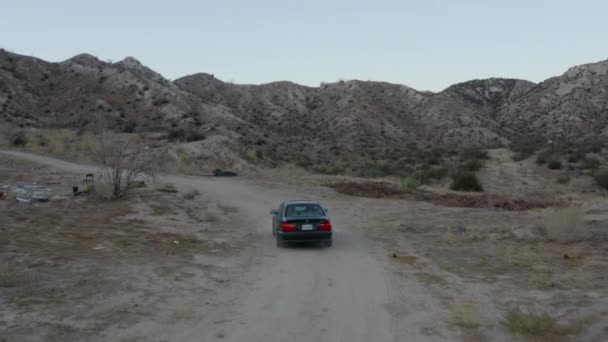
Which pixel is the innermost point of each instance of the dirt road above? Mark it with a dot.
(292, 294)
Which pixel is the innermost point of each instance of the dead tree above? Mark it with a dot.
(123, 161)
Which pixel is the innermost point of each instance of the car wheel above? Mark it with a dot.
(328, 243)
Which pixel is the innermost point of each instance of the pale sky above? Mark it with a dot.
(427, 45)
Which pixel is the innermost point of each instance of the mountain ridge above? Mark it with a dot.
(288, 122)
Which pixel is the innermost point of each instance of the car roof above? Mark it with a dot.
(301, 201)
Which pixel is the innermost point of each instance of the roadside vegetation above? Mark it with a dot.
(414, 166)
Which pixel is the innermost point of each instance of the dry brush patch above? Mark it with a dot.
(539, 325)
(388, 190)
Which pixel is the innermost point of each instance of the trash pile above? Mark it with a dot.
(25, 193)
(37, 193)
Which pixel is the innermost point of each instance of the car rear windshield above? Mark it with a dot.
(303, 210)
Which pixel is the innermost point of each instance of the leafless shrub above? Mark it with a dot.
(124, 161)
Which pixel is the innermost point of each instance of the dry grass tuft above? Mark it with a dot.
(566, 225)
(532, 323)
(465, 315)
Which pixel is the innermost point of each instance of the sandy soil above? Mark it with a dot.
(399, 271)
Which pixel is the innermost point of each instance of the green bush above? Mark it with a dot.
(466, 181)
(601, 178)
(555, 165)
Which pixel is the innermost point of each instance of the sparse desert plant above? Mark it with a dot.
(472, 165)
(466, 181)
(601, 178)
(530, 323)
(523, 150)
(16, 137)
(542, 158)
(555, 165)
(124, 161)
(564, 179)
(590, 163)
(474, 153)
(566, 225)
(465, 315)
(187, 135)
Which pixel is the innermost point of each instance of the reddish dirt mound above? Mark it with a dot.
(387, 190)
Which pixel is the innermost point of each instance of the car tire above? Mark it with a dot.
(328, 243)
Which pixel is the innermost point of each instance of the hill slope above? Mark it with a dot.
(289, 122)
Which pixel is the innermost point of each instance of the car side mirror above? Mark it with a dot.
(274, 212)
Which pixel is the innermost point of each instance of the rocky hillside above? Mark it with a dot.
(283, 121)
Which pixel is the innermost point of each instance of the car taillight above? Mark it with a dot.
(288, 227)
(325, 225)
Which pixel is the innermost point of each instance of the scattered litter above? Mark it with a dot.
(99, 247)
(459, 230)
(23, 200)
(176, 242)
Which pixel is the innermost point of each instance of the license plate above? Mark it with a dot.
(307, 227)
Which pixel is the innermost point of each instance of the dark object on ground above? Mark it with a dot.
(301, 222)
(220, 173)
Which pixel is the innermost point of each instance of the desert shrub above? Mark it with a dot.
(474, 153)
(259, 154)
(187, 135)
(563, 179)
(466, 181)
(523, 150)
(555, 165)
(43, 141)
(304, 163)
(590, 163)
(472, 165)
(575, 157)
(601, 178)
(375, 170)
(331, 169)
(543, 157)
(18, 138)
(430, 174)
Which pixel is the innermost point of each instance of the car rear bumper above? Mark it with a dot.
(300, 236)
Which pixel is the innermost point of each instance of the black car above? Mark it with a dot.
(301, 221)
